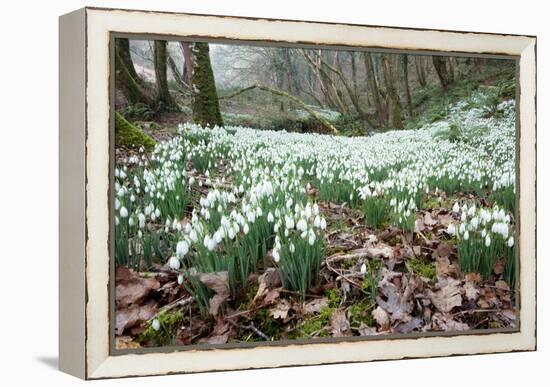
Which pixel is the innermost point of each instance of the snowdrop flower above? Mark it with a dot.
(141, 219)
(131, 221)
(451, 229)
(466, 235)
(276, 255)
(193, 236)
(456, 208)
(323, 224)
(289, 223)
(462, 228)
(180, 279)
(301, 225)
(483, 233)
(123, 212)
(246, 228)
(174, 263)
(487, 240)
(156, 324)
(291, 248)
(182, 248)
(510, 242)
(117, 204)
(270, 217)
(157, 213)
(363, 268)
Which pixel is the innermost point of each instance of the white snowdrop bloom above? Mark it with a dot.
(131, 221)
(193, 236)
(487, 240)
(474, 222)
(117, 204)
(231, 233)
(132, 198)
(463, 217)
(363, 268)
(187, 228)
(157, 213)
(466, 235)
(174, 263)
(141, 219)
(317, 222)
(451, 229)
(153, 217)
(483, 233)
(510, 241)
(246, 228)
(123, 212)
(182, 248)
(191, 180)
(307, 211)
(276, 255)
(180, 279)
(139, 234)
(156, 324)
(301, 225)
(456, 208)
(116, 221)
(121, 192)
(323, 224)
(472, 211)
(462, 228)
(218, 236)
(311, 238)
(270, 217)
(291, 248)
(315, 209)
(276, 227)
(289, 223)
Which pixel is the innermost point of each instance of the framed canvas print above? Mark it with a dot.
(242, 193)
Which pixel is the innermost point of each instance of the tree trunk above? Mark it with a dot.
(164, 99)
(440, 65)
(206, 107)
(187, 62)
(420, 74)
(123, 47)
(375, 91)
(395, 120)
(407, 87)
(129, 85)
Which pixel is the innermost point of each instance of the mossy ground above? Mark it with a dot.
(129, 135)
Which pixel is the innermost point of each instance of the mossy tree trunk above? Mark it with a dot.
(164, 99)
(420, 73)
(129, 135)
(374, 89)
(395, 120)
(405, 60)
(206, 107)
(440, 65)
(126, 78)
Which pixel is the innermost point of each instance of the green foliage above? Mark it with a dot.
(169, 322)
(375, 210)
(129, 135)
(423, 269)
(360, 312)
(139, 112)
(318, 325)
(333, 296)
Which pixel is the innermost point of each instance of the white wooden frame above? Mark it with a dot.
(84, 191)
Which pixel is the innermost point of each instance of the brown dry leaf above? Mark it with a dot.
(446, 323)
(339, 324)
(382, 318)
(445, 268)
(499, 267)
(444, 219)
(444, 249)
(428, 220)
(131, 288)
(221, 339)
(272, 296)
(126, 342)
(502, 285)
(419, 224)
(315, 306)
(134, 315)
(266, 281)
(219, 283)
(415, 323)
(365, 330)
(398, 303)
(473, 277)
(280, 310)
(448, 296)
(488, 298)
(471, 291)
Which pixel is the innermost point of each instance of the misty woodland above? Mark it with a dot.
(274, 193)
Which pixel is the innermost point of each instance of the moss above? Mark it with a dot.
(333, 296)
(360, 312)
(129, 135)
(317, 325)
(423, 269)
(206, 107)
(169, 321)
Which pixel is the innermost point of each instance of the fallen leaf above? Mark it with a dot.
(126, 342)
(413, 324)
(131, 288)
(219, 283)
(502, 285)
(444, 249)
(134, 315)
(398, 302)
(499, 267)
(448, 296)
(428, 220)
(221, 339)
(382, 318)
(471, 291)
(339, 324)
(365, 330)
(446, 323)
(280, 310)
(473, 277)
(266, 281)
(315, 305)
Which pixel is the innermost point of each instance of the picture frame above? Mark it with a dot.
(86, 163)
